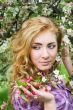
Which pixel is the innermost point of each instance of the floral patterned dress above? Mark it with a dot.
(63, 98)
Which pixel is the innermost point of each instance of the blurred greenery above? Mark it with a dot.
(3, 94)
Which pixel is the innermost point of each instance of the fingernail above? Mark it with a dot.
(46, 89)
(34, 93)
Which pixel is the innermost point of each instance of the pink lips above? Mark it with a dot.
(45, 63)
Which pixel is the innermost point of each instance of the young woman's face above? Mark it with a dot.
(43, 50)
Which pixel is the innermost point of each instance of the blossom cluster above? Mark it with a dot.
(39, 81)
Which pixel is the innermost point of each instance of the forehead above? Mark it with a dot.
(45, 37)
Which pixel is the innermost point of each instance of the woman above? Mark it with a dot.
(35, 48)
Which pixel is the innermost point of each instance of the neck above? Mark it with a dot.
(45, 73)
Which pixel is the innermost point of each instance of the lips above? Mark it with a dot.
(45, 63)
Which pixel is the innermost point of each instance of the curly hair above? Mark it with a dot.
(22, 41)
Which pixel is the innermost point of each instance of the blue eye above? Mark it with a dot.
(51, 46)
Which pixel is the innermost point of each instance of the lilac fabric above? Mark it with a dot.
(63, 98)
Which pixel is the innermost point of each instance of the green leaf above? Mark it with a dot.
(37, 80)
(21, 83)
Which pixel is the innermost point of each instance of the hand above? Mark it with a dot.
(43, 94)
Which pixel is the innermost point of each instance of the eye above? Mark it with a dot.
(36, 47)
(51, 46)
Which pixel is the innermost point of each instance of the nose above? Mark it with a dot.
(45, 53)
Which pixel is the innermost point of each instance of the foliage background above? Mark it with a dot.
(13, 13)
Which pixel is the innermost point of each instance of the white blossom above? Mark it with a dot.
(4, 46)
(58, 58)
(43, 79)
(56, 73)
(63, 19)
(62, 27)
(66, 39)
(40, 0)
(71, 84)
(39, 73)
(70, 32)
(60, 77)
(67, 9)
(70, 22)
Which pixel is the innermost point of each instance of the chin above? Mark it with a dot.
(45, 69)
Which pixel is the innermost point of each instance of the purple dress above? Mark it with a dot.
(63, 98)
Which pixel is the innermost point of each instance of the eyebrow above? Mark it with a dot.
(37, 43)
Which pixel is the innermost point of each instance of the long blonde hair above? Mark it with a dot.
(21, 43)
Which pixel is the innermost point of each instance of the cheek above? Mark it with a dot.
(54, 54)
(34, 55)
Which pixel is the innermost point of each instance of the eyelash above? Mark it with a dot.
(35, 47)
(49, 46)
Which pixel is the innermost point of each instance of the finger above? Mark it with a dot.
(38, 92)
(27, 92)
(42, 94)
(37, 85)
(46, 88)
(34, 90)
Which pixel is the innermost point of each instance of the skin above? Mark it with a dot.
(67, 60)
(43, 53)
(43, 50)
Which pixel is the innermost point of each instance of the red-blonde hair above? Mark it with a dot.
(22, 42)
